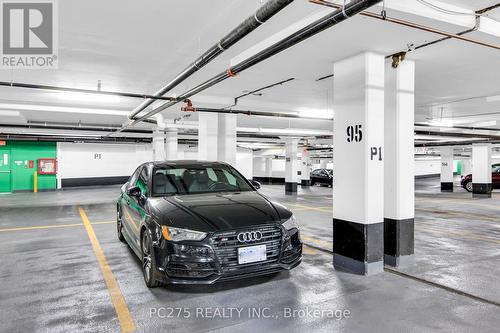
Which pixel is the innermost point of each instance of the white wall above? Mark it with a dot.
(85, 160)
(430, 166)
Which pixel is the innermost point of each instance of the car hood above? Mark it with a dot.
(210, 212)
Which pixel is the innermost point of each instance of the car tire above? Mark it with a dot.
(148, 264)
(119, 225)
(468, 186)
(313, 183)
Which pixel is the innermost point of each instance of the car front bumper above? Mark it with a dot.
(220, 264)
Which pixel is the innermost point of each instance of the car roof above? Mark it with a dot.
(185, 163)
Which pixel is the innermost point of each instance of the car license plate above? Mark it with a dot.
(251, 254)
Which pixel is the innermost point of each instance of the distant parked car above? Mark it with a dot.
(322, 177)
(466, 181)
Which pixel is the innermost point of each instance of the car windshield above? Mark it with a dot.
(330, 171)
(170, 180)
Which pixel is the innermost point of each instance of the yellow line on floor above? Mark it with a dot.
(52, 226)
(458, 234)
(458, 214)
(316, 241)
(309, 250)
(325, 209)
(126, 322)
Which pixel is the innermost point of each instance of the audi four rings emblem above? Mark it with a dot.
(249, 236)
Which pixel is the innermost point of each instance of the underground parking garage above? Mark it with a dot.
(279, 165)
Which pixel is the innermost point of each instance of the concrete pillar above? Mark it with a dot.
(447, 169)
(399, 164)
(226, 138)
(291, 165)
(481, 171)
(207, 136)
(358, 194)
(171, 146)
(159, 145)
(466, 167)
(217, 137)
(323, 164)
(269, 169)
(305, 172)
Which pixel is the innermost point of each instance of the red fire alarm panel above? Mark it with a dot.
(47, 166)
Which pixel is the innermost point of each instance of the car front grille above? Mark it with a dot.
(226, 244)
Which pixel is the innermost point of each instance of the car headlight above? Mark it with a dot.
(291, 223)
(178, 234)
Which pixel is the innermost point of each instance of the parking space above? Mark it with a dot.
(53, 280)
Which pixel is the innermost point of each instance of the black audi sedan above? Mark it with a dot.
(195, 222)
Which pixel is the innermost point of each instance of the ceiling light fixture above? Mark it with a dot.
(316, 113)
(491, 99)
(92, 98)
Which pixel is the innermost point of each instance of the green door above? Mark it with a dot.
(5, 179)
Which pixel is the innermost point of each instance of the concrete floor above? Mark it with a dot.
(50, 279)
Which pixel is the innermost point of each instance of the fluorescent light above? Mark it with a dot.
(63, 109)
(316, 113)
(441, 123)
(92, 98)
(489, 26)
(491, 99)
(484, 123)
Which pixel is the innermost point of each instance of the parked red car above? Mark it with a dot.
(466, 181)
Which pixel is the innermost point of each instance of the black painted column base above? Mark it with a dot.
(264, 180)
(481, 191)
(357, 247)
(290, 188)
(399, 242)
(447, 187)
(305, 183)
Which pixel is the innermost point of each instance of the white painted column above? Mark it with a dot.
(269, 169)
(207, 136)
(217, 137)
(447, 169)
(159, 145)
(291, 165)
(399, 164)
(466, 167)
(226, 138)
(305, 171)
(171, 146)
(358, 150)
(323, 164)
(481, 171)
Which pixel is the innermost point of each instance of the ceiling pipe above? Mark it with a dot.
(411, 25)
(456, 135)
(352, 8)
(458, 127)
(262, 14)
(81, 91)
(454, 143)
(250, 113)
(258, 90)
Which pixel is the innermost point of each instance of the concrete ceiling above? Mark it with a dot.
(138, 48)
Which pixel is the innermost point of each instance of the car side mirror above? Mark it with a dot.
(255, 184)
(134, 191)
